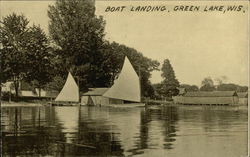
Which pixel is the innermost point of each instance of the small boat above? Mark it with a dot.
(69, 95)
(126, 88)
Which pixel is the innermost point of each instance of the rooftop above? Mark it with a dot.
(96, 91)
(211, 94)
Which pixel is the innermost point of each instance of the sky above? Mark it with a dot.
(198, 44)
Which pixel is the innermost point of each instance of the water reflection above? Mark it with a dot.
(68, 119)
(25, 132)
(159, 131)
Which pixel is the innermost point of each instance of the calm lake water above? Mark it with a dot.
(172, 131)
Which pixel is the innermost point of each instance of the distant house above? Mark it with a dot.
(243, 98)
(27, 93)
(95, 97)
(208, 98)
(35, 93)
(27, 90)
(46, 93)
(6, 87)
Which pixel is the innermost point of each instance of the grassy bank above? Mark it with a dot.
(20, 103)
(24, 101)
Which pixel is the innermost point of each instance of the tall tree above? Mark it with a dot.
(39, 55)
(24, 53)
(14, 37)
(56, 84)
(221, 80)
(158, 90)
(80, 35)
(207, 84)
(170, 83)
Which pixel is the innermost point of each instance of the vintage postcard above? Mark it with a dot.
(147, 78)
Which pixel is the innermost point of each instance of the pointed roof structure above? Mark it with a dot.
(127, 86)
(70, 91)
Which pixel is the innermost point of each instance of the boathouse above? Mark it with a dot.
(95, 97)
(243, 98)
(125, 89)
(208, 98)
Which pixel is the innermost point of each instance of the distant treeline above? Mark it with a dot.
(206, 85)
(220, 87)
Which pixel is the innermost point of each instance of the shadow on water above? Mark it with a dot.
(26, 132)
(157, 129)
(104, 131)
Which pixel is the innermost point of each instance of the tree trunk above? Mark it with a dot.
(16, 86)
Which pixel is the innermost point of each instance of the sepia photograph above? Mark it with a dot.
(124, 78)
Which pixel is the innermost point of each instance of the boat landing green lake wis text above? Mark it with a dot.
(177, 8)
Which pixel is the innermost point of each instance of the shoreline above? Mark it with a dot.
(23, 104)
(45, 103)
